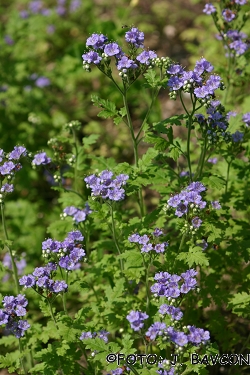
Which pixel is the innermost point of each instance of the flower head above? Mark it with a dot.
(135, 37)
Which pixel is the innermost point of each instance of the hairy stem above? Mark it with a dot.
(13, 263)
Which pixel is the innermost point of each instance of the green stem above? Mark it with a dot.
(146, 282)
(13, 263)
(64, 294)
(190, 123)
(198, 174)
(154, 96)
(228, 172)
(21, 356)
(180, 247)
(115, 237)
(75, 168)
(52, 314)
(135, 148)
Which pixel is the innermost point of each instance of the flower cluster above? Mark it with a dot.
(14, 308)
(216, 124)
(10, 165)
(101, 335)
(41, 159)
(38, 7)
(100, 50)
(172, 286)
(146, 245)
(235, 42)
(191, 334)
(67, 253)
(198, 81)
(77, 214)
(135, 319)
(188, 200)
(107, 186)
(42, 280)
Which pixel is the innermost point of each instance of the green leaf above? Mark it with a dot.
(95, 344)
(109, 108)
(214, 182)
(147, 158)
(213, 231)
(235, 123)
(90, 140)
(194, 256)
(173, 120)
(240, 304)
(151, 78)
(174, 153)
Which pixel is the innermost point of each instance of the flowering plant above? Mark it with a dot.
(147, 254)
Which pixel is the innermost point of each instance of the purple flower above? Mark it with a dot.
(14, 307)
(107, 187)
(35, 6)
(112, 49)
(126, 63)
(239, 47)
(213, 83)
(103, 335)
(213, 160)
(91, 57)
(203, 244)
(4, 317)
(7, 168)
(196, 222)
(145, 57)
(41, 159)
(228, 15)
(24, 14)
(17, 153)
(237, 136)
(70, 211)
(136, 319)
(117, 371)
(246, 118)
(175, 69)
(23, 325)
(202, 66)
(28, 281)
(86, 335)
(209, 9)
(135, 37)
(156, 329)
(134, 238)
(157, 232)
(60, 10)
(51, 29)
(42, 82)
(7, 188)
(146, 248)
(74, 5)
(174, 312)
(8, 40)
(59, 286)
(202, 92)
(198, 335)
(240, 2)
(160, 247)
(97, 41)
(216, 205)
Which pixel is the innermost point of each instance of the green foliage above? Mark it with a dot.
(161, 158)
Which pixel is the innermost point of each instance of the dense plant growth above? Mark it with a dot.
(125, 242)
